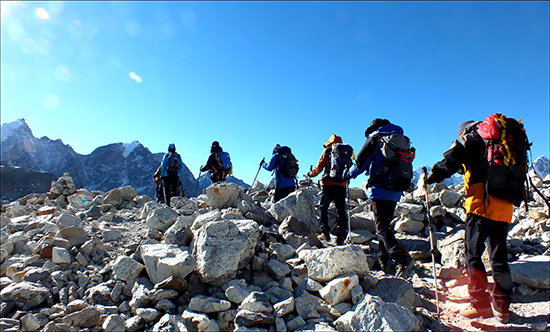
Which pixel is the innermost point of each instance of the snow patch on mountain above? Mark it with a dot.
(542, 166)
(129, 147)
(9, 128)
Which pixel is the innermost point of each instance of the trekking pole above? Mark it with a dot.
(432, 241)
(197, 185)
(258, 172)
(348, 238)
(309, 177)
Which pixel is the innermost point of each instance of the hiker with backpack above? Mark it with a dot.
(285, 166)
(386, 157)
(492, 156)
(170, 171)
(218, 163)
(335, 159)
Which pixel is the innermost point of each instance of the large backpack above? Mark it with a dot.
(289, 165)
(340, 158)
(173, 163)
(507, 146)
(223, 165)
(395, 171)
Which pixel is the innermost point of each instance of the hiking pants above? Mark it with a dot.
(479, 229)
(281, 193)
(170, 184)
(388, 247)
(336, 194)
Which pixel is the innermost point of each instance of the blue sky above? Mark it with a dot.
(253, 74)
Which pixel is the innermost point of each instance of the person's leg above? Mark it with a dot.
(501, 271)
(281, 193)
(323, 207)
(339, 198)
(383, 212)
(477, 230)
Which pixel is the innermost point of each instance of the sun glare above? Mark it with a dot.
(42, 13)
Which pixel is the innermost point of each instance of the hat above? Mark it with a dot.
(172, 147)
(375, 124)
(215, 144)
(276, 146)
(463, 126)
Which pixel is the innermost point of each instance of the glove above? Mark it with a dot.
(430, 179)
(262, 162)
(346, 175)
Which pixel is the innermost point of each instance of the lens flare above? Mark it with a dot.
(42, 13)
(80, 201)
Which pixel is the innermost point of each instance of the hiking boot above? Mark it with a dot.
(340, 240)
(473, 312)
(502, 317)
(404, 267)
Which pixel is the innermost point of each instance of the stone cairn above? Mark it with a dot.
(231, 260)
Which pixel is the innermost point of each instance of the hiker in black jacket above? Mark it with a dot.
(214, 164)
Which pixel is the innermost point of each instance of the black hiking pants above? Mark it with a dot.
(281, 193)
(388, 247)
(170, 184)
(479, 229)
(336, 194)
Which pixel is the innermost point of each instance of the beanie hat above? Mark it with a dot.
(172, 147)
(463, 126)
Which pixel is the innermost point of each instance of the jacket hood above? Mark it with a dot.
(333, 139)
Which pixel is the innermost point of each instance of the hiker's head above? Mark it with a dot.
(375, 124)
(172, 147)
(276, 147)
(464, 126)
(333, 139)
(215, 147)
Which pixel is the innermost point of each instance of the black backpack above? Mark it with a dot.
(340, 159)
(395, 172)
(507, 146)
(173, 163)
(289, 166)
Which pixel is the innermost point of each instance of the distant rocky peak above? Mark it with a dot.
(18, 127)
(129, 148)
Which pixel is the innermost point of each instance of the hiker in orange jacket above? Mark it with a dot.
(334, 190)
(488, 217)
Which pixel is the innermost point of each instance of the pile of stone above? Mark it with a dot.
(231, 260)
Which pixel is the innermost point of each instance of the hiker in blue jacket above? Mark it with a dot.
(369, 160)
(283, 185)
(170, 172)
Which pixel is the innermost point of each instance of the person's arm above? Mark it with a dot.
(321, 163)
(451, 163)
(208, 165)
(271, 165)
(366, 151)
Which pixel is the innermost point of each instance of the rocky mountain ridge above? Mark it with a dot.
(107, 167)
(231, 260)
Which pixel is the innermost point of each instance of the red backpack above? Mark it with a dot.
(507, 146)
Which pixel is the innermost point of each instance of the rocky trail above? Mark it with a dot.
(231, 260)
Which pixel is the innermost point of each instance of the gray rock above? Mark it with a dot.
(452, 250)
(339, 289)
(87, 317)
(205, 304)
(284, 307)
(161, 218)
(114, 323)
(532, 271)
(169, 323)
(257, 302)
(127, 269)
(276, 269)
(222, 247)
(149, 315)
(199, 322)
(250, 318)
(395, 290)
(300, 205)
(373, 314)
(349, 259)
(166, 260)
(25, 294)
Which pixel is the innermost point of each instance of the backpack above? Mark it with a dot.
(340, 159)
(395, 172)
(224, 160)
(173, 163)
(289, 166)
(507, 146)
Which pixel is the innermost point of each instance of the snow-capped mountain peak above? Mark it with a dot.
(129, 147)
(8, 129)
